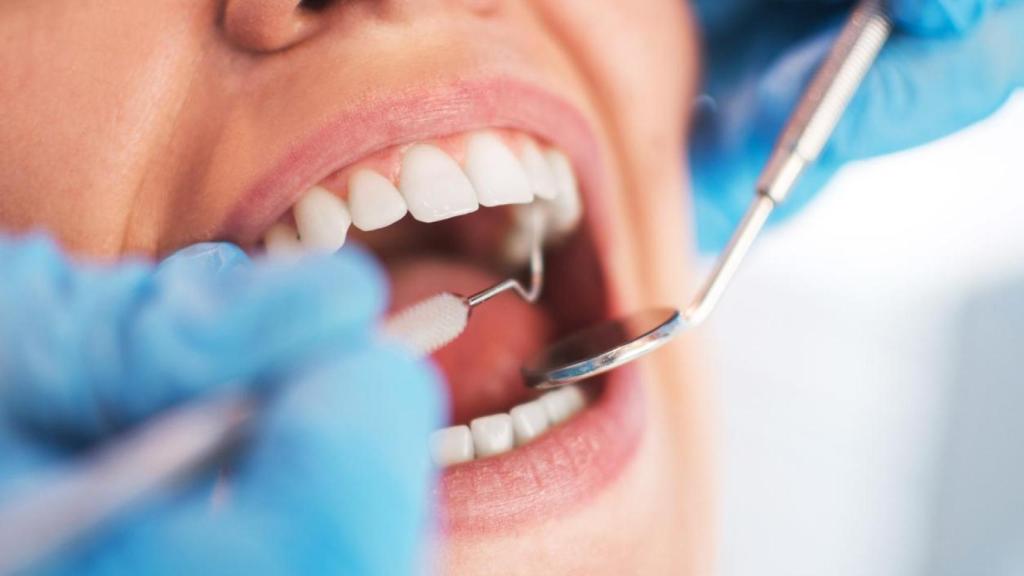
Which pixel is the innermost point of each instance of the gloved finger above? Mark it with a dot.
(717, 17)
(347, 450)
(88, 349)
(336, 481)
(207, 258)
(925, 88)
(921, 17)
(940, 17)
(20, 458)
(753, 90)
(919, 89)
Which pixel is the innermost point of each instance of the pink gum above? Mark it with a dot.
(388, 162)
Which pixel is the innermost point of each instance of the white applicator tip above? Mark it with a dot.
(430, 325)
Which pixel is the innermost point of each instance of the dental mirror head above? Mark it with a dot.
(602, 347)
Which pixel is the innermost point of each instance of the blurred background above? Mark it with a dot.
(870, 372)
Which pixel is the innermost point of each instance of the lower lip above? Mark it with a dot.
(560, 471)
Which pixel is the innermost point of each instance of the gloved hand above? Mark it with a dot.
(949, 63)
(334, 480)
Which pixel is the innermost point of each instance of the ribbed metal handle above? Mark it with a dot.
(826, 99)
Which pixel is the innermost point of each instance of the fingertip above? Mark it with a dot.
(36, 249)
(350, 281)
(212, 258)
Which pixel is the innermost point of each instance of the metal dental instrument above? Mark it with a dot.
(611, 344)
(433, 323)
(61, 506)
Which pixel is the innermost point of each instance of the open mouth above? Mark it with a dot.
(450, 214)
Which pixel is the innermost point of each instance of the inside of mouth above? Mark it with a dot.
(461, 255)
(456, 215)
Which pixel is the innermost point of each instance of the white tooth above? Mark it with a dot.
(558, 405)
(282, 241)
(539, 172)
(495, 172)
(322, 219)
(451, 445)
(374, 201)
(434, 186)
(566, 208)
(492, 434)
(574, 397)
(528, 421)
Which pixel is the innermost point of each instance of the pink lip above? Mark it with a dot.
(558, 472)
(410, 117)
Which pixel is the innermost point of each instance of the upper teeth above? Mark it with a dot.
(432, 186)
(374, 201)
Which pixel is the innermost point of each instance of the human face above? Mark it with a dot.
(141, 127)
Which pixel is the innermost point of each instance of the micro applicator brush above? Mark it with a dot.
(434, 323)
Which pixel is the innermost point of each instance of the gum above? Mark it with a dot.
(388, 162)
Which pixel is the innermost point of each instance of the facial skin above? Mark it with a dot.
(135, 127)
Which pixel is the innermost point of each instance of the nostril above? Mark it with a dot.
(271, 25)
(315, 5)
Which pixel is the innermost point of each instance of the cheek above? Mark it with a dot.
(94, 90)
(641, 61)
(641, 54)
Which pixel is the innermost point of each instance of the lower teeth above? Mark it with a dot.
(498, 433)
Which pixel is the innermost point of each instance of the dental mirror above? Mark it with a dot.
(602, 347)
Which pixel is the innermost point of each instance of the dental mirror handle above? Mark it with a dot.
(825, 100)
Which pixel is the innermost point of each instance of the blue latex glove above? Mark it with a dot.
(948, 64)
(335, 479)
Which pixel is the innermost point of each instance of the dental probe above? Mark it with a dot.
(69, 502)
(611, 344)
(435, 322)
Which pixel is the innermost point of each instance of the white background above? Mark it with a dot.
(870, 372)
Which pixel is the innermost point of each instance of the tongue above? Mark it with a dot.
(482, 365)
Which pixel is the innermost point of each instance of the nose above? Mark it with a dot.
(272, 25)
